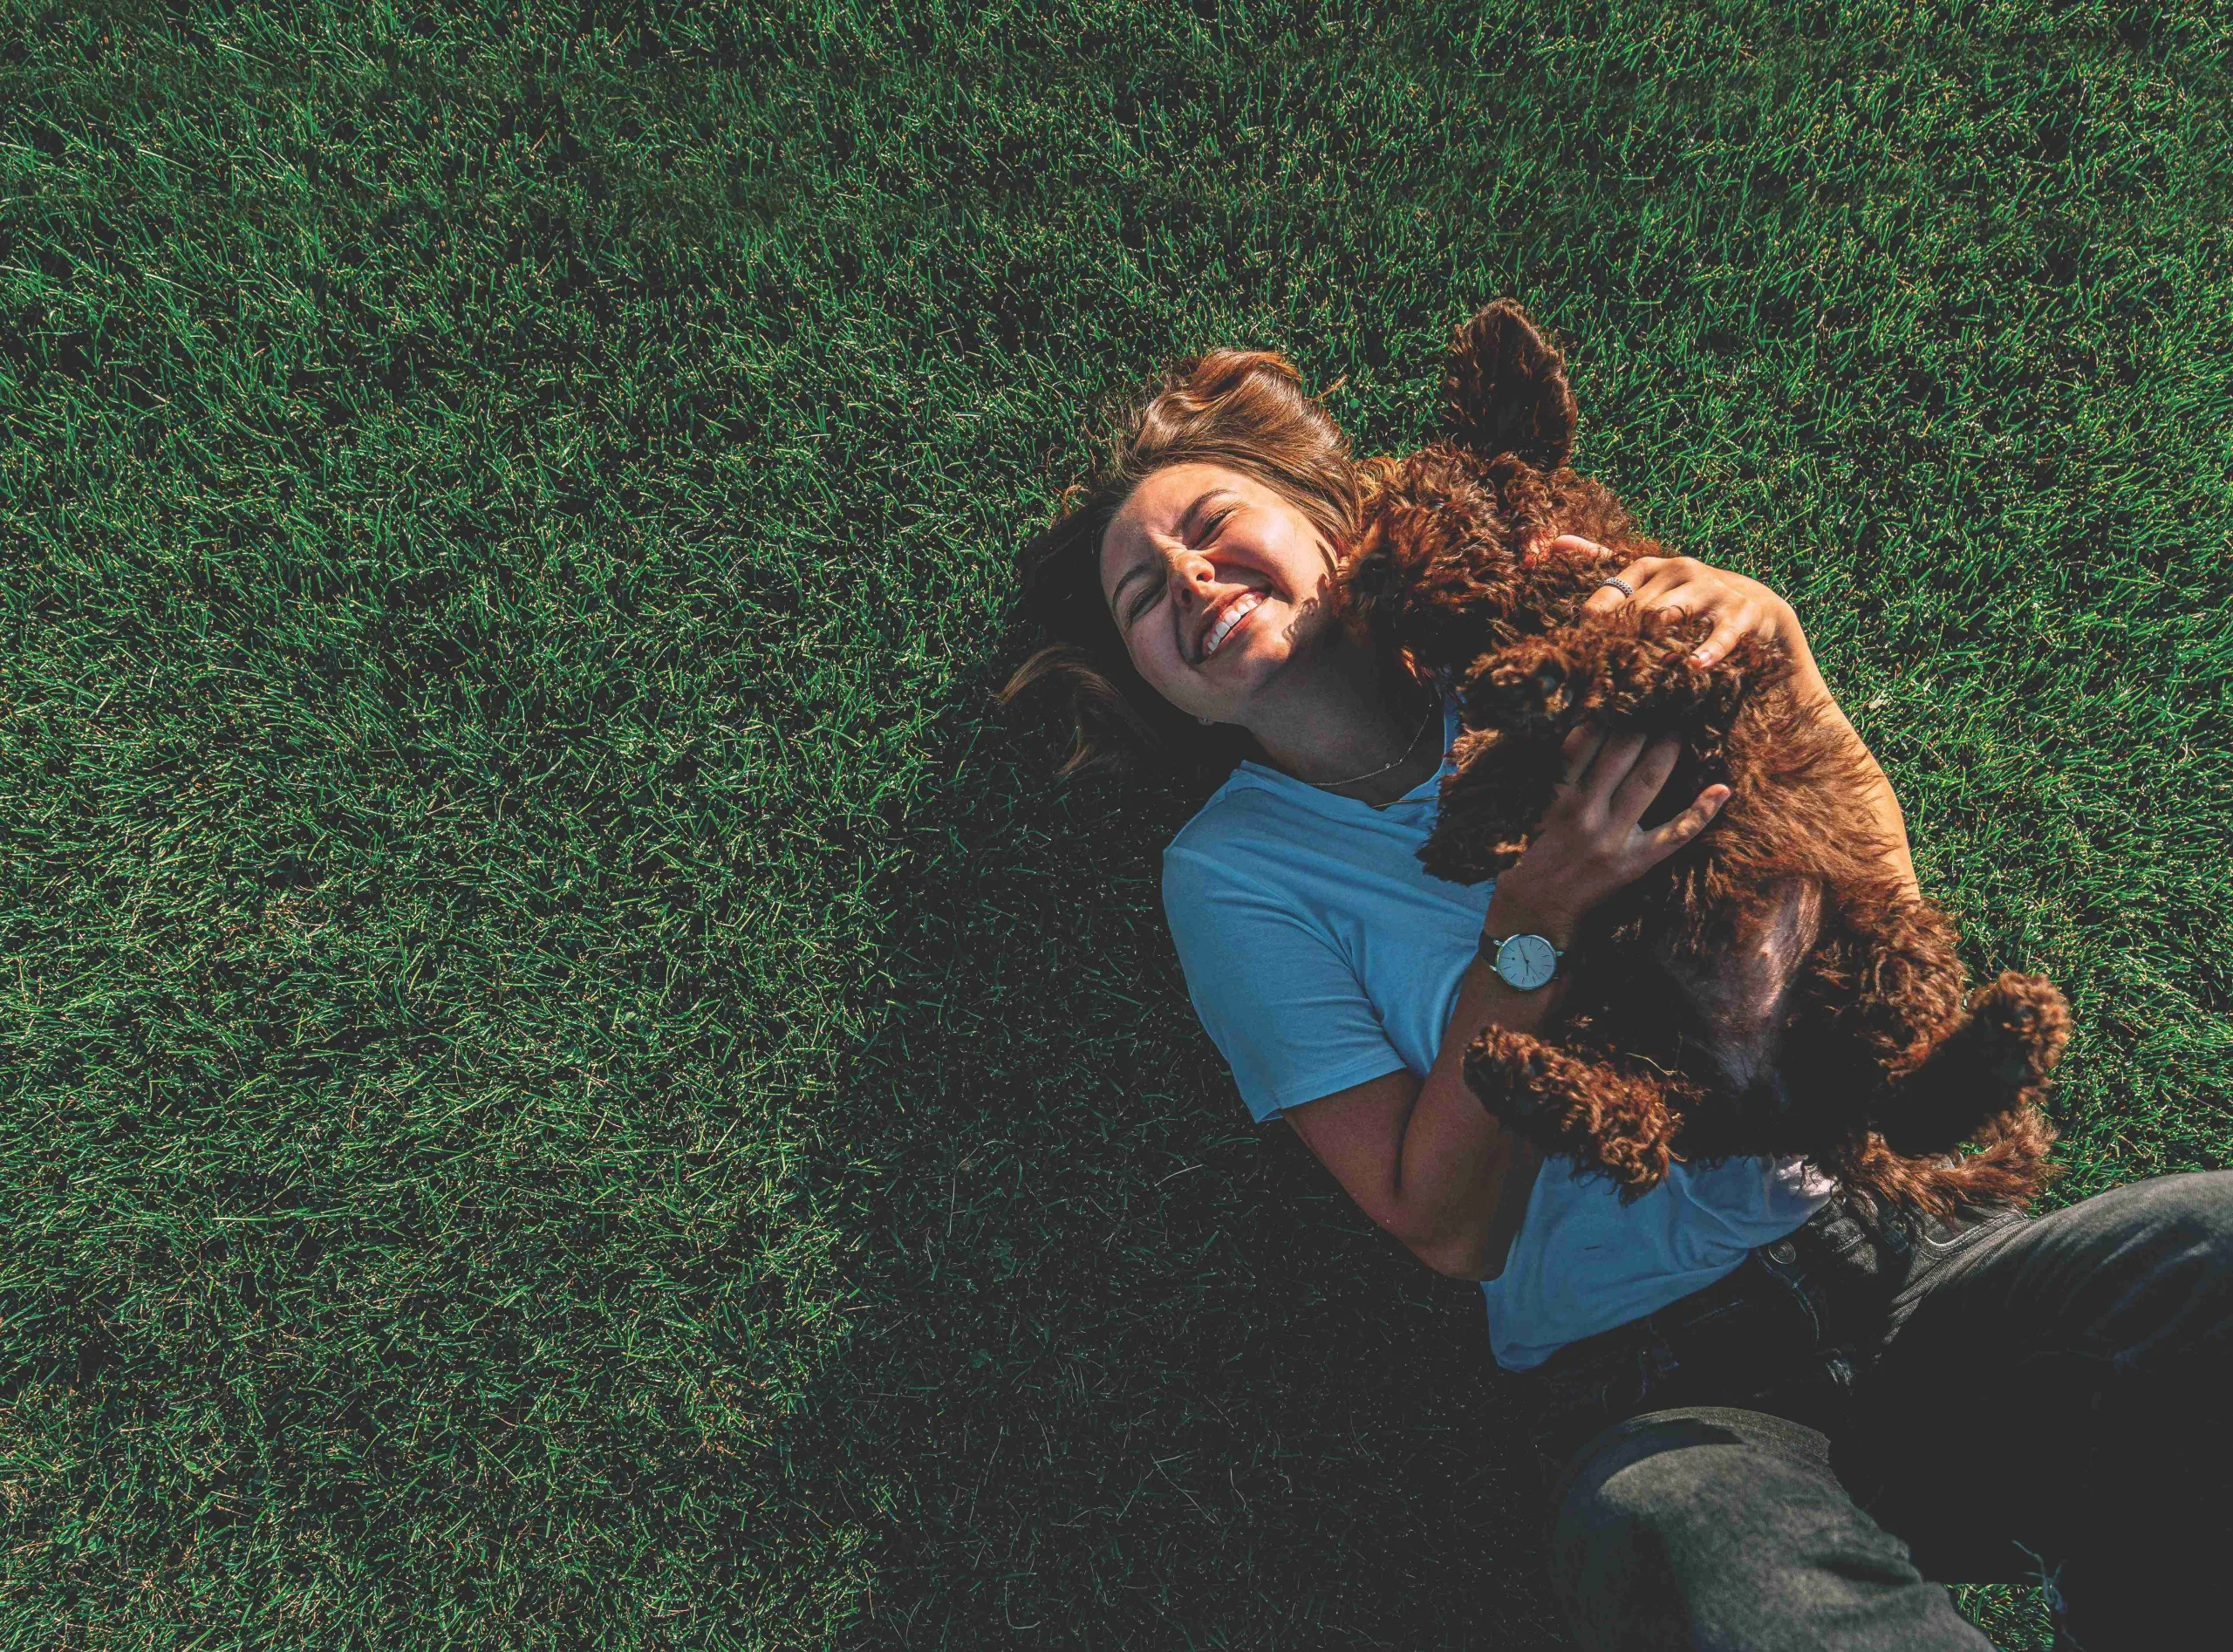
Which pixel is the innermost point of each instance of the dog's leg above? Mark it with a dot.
(1883, 1040)
(1997, 1058)
(1611, 1120)
(1492, 800)
(1631, 672)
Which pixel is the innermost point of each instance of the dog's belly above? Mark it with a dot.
(1740, 992)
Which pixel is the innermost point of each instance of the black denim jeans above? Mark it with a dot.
(1803, 1453)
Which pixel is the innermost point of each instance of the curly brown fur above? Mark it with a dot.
(1505, 391)
(1770, 988)
(1454, 556)
(1597, 1112)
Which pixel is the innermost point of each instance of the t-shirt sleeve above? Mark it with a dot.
(1275, 993)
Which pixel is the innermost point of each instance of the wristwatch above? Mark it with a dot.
(1526, 962)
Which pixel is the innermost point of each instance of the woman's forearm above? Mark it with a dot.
(1738, 607)
(1422, 1157)
(1881, 803)
(1462, 1179)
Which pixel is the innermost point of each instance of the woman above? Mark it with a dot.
(1770, 1409)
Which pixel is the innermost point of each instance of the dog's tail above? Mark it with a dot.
(1505, 390)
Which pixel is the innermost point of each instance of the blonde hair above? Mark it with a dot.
(1243, 409)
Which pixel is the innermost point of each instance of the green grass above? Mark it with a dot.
(564, 1083)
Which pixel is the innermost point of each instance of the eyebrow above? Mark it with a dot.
(1185, 531)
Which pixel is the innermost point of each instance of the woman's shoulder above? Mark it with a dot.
(1247, 812)
(1237, 864)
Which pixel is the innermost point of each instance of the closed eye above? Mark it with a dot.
(1147, 598)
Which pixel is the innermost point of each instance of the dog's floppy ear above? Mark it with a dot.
(1505, 391)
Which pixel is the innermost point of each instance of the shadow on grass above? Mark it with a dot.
(1124, 1368)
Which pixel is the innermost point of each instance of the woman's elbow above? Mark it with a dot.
(1458, 1257)
(1473, 1243)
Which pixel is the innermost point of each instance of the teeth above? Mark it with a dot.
(1227, 621)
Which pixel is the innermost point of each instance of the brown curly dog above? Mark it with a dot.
(1772, 988)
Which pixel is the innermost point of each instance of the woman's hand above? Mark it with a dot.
(1589, 844)
(1741, 607)
(1738, 607)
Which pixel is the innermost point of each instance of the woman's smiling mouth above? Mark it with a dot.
(1238, 610)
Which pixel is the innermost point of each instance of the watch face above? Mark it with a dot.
(1527, 962)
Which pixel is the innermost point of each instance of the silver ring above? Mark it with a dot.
(1619, 584)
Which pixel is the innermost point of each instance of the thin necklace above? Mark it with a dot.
(1384, 767)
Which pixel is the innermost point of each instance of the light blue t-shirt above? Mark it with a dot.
(1319, 954)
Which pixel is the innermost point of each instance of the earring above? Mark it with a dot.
(1206, 722)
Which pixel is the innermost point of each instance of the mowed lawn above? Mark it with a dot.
(564, 1081)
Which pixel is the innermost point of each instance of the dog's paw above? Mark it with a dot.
(1523, 690)
(2004, 1049)
(2022, 1023)
(1609, 1122)
(1459, 855)
(1535, 1088)
(1506, 1072)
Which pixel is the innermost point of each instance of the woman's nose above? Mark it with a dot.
(1191, 575)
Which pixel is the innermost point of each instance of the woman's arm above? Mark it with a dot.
(1741, 607)
(1424, 1159)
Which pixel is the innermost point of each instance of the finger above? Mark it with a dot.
(1659, 573)
(1677, 570)
(1635, 794)
(1611, 766)
(1577, 544)
(1580, 747)
(1738, 622)
(1671, 593)
(1605, 598)
(1657, 844)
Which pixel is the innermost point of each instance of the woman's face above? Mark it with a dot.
(1217, 583)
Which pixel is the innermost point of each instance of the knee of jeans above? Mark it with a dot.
(2194, 1206)
(1642, 1486)
(1678, 1428)
(2155, 1370)
(1619, 1556)
(1663, 1515)
(2189, 1232)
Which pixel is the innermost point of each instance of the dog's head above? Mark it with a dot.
(1455, 552)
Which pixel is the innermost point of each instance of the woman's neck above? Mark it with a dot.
(1335, 725)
